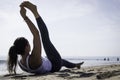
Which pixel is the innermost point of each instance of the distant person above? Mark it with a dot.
(117, 59)
(33, 62)
(108, 59)
(104, 59)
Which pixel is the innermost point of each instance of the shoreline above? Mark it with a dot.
(106, 72)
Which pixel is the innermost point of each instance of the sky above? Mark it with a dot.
(76, 27)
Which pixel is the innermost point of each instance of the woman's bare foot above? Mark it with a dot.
(79, 65)
(31, 7)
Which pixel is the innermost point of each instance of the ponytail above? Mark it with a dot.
(12, 60)
(18, 48)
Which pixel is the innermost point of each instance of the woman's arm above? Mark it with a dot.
(31, 26)
(36, 52)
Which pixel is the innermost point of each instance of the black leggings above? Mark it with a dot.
(51, 52)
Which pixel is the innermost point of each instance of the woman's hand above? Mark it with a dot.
(31, 7)
(23, 12)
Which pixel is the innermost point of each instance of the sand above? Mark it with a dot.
(104, 72)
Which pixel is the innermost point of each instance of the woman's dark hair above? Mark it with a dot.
(17, 48)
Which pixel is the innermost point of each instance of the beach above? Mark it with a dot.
(102, 72)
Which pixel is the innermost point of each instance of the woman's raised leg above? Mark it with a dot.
(50, 50)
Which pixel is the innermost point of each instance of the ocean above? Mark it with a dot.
(88, 61)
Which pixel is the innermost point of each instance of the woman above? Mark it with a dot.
(34, 62)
